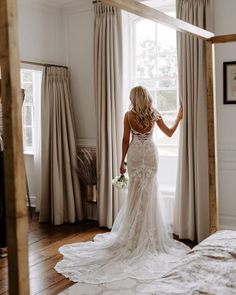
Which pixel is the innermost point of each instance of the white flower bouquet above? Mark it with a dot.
(121, 182)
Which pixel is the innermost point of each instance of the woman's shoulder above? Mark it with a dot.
(129, 114)
(157, 115)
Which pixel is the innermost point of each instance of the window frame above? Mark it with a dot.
(133, 19)
(36, 92)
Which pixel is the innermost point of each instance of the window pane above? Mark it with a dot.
(155, 67)
(166, 35)
(145, 48)
(28, 137)
(145, 30)
(27, 76)
(166, 100)
(150, 84)
(146, 65)
(170, 83)
(167, 64)
(28, 92)
(168, 150)
(168, 146)
(28, 115)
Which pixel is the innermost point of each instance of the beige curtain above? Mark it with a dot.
(61, 201)
(108, 95)
(191, 219)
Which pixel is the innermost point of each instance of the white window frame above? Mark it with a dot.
(131, 20)
(36, 105)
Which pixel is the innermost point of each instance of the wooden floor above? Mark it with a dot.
(44, 241)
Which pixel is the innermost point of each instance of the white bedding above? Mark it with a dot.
(209, 268)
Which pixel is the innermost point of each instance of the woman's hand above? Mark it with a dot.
(180, 114)
(122, 168)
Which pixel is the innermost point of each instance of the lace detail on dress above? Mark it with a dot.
(140, 136)
(139, 245)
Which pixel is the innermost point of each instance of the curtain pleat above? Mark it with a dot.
(191, 220)
(108, 96)
(61, 200)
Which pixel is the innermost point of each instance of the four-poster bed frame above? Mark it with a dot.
(14, 169)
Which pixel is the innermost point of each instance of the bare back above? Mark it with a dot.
(136, 125)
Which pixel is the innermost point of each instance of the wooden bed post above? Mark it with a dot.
(17, 219)
(213, 177)
(213, 198)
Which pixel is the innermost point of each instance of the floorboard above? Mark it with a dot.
(44, 241)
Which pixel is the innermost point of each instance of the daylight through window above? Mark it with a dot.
(31, 83)
(154, 66)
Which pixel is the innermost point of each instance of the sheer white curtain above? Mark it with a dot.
(192, 198)
(108, 95)
(61, 200)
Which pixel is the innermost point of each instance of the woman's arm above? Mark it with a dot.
(125, 143)
(169, 131)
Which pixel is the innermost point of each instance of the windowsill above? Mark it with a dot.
(163, 155)
(29, 153)
(167, 189)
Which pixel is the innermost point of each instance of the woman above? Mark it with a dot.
(139, 245)
(3, 243)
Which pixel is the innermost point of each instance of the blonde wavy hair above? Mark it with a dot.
(142, 106)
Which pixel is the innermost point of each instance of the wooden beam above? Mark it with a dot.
(145, 11)
(224, 38)
(213, 199)
(17, 219)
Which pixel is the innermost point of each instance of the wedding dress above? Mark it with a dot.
(139, 245)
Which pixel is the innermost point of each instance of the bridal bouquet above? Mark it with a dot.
(121, 181)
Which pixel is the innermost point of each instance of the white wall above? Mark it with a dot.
(41, 32)
(79, 45)
(41, 39)
(225, 23)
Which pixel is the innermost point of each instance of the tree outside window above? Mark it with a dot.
(154, 66)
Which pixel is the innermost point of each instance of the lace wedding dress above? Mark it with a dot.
(139, 245)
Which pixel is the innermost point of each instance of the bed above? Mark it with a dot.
(209, 268)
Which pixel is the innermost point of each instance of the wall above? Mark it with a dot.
(41, 39)
(41, 32)
(225, 23)
(78, 19)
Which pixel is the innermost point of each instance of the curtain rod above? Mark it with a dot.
(42, 64)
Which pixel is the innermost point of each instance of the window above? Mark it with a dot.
(150, 59)
(31, 83)
(154, 66)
